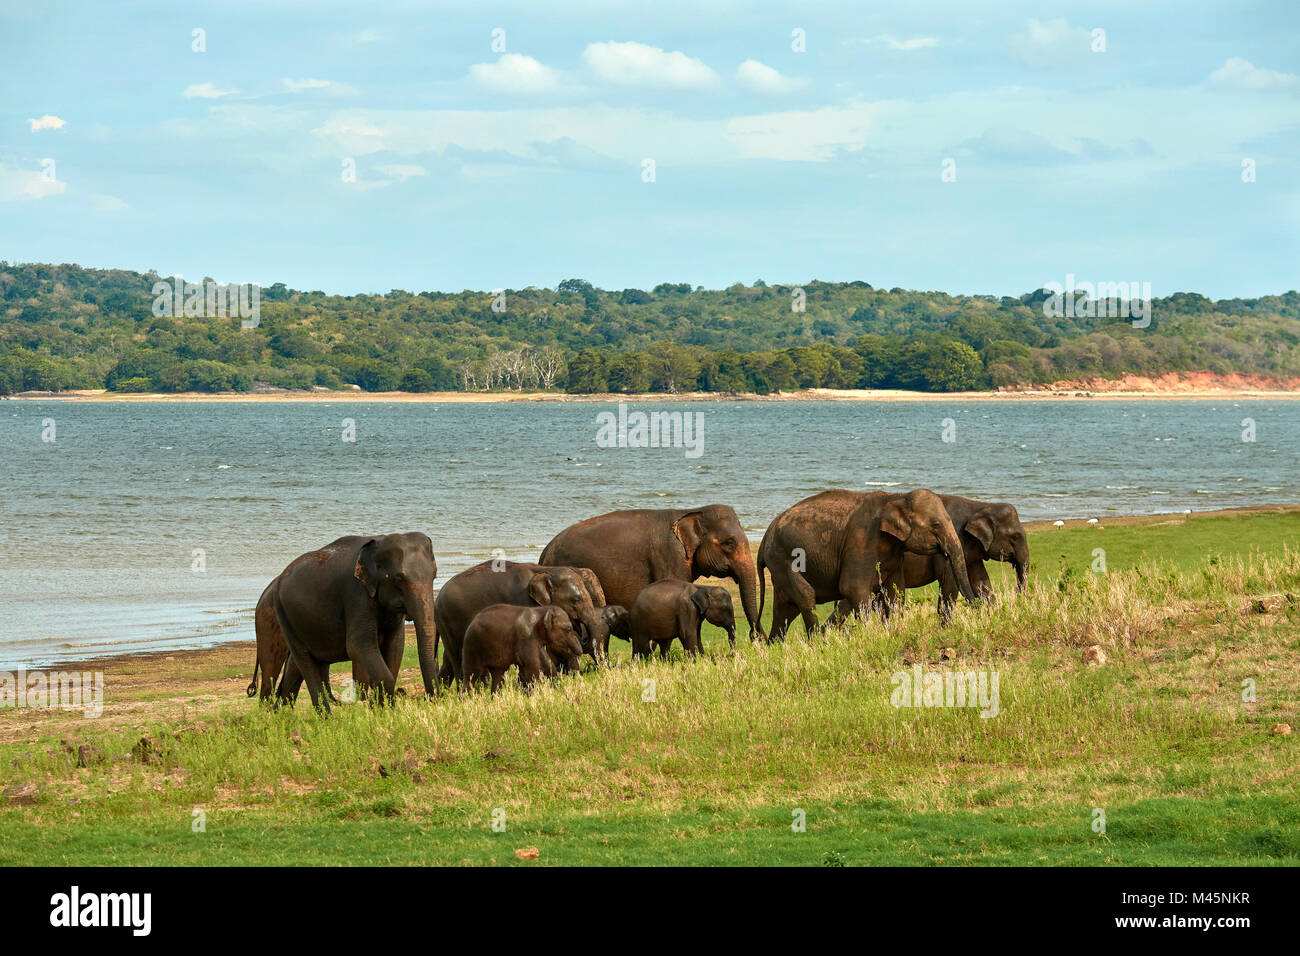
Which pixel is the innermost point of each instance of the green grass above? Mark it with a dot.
(712, 769)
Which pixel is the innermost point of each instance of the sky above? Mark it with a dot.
(969, 147)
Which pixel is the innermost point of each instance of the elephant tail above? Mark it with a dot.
(252, 687)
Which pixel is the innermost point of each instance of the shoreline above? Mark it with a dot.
(807, 395)
(220, 652)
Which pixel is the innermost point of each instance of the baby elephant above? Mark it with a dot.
(618, 621)
(503, 635)
(675, 609)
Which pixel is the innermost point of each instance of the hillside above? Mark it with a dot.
(66, 327)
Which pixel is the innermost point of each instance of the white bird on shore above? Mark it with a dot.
(1092, 521)
(1058, 524)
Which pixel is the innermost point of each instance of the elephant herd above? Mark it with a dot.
(628, 574)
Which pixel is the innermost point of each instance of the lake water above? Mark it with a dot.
(102, 523)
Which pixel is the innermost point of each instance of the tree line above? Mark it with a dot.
(66, 327)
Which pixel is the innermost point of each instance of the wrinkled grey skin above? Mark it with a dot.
(504, 635)
(630, 549)
(848, 547)
(675, 610)
(349, 601)
(517, 583)
(618, 622)
(989, 531)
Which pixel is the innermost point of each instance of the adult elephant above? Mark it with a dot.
(849, 547)
(989, 531)
(575, 590)
(350, 601)
(273, 653)
(629, 550)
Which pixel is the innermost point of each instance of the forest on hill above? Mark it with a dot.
(67, 327)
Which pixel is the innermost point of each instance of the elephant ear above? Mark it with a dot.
(980, 527)
(702, 598)
(690, 532)
(365, 570)
(593, 586)
(539, 588)
(616, 617)
(543, 623)
(893, 521)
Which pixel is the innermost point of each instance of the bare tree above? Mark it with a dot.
(513, 366)
(494, 369)
(548, 364)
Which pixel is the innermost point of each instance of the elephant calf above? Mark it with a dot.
(506, 635)
(618, 622)
(668, 610)
(575, 590)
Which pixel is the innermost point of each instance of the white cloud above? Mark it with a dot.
(515, 73)
(1241, 74)
(205, 91)
(636, 64)
(26, 184)
(366, 36)
(47, 122)
(616, 134)
(764, 79)
(905, 45)
(394, 173)
(1049, 42)
(399, 171)
(102, 202)
(803, 135)
(327, 86)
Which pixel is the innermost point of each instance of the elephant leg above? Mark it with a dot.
(804, 598)
(310, 670)
(845, 610)
(290, 684)
(892, 593)
(783, 612)
(393, 648)
(547, 665)
(381, 678)
(272, 662)
(663, 649)
(498, 677)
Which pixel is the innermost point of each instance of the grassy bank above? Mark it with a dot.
(713, 768)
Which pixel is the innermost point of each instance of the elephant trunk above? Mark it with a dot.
(426, 640)
(956, 556)
(747, 579)
(596, 636)
(1020, 561)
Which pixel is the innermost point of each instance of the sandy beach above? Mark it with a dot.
(1076, 393)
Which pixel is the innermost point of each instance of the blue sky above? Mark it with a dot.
(477, 168)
